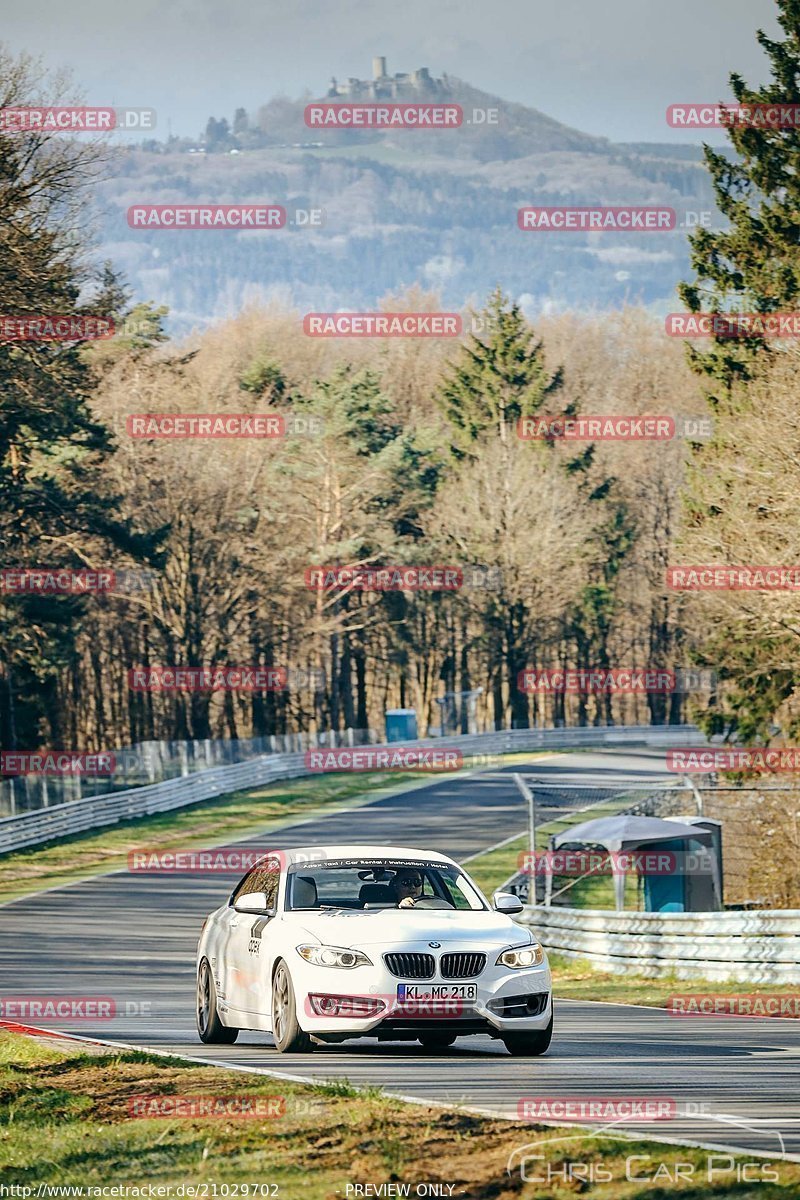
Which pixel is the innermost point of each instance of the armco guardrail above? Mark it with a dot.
(750, 947)
(78, 816)
(149, 762)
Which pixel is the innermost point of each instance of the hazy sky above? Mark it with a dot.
(608, 67)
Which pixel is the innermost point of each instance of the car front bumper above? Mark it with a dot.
(507, 1001)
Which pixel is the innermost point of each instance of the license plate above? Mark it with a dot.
(436, 991)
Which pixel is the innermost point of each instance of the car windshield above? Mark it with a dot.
(389, 883)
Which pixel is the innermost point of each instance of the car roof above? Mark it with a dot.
(307, 855)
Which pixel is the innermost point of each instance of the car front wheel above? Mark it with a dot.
(209, 1026)
(289, 1037)
(529, 1045)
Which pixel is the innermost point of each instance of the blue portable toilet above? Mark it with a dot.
(666, 893)
(697, 886)
(401, 724)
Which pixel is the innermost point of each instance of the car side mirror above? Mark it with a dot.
(253, 902)
(504, 902)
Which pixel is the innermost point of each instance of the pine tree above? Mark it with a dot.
(55, 507)
(753, 265)
(497, 378)
(138, 328)
(265, 379)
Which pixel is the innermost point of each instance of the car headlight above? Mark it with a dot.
(517, 957)
(333, 956)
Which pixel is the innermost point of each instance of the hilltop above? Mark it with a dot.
(402, 207)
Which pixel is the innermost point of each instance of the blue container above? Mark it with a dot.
(401, 724)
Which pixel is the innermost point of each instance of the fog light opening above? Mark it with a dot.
(345, 1006)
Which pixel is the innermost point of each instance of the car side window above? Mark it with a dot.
(263, 878)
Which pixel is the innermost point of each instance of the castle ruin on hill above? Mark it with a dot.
(401, 86)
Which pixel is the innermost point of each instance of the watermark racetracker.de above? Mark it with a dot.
(59, 1006)
(404, 578)
(757, 759)
(604, 427)
(622, 681)
(55, 327)
(76, 119)
(229, 426)
(72, 581)
(239, 218)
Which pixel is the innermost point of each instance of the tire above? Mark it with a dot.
(289, 1037)
(436, 1041)
(529, 1045)
(209, 1026)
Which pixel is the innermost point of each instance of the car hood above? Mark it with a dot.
(389, 927)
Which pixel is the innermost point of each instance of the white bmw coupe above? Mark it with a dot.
(323, 944)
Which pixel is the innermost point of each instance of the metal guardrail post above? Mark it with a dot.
(531, 802)
(697, 793)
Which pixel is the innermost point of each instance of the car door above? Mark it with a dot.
(247, 965)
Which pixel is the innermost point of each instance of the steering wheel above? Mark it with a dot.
(433, 902)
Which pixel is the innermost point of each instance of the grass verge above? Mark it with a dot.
(72, 1118)
(578, 979)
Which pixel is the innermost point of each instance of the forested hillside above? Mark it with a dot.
(434, 207)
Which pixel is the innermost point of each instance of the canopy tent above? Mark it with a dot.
(626, 832)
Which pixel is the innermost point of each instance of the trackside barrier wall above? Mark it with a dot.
(760, 947)
(157, 761)
(78, 816)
